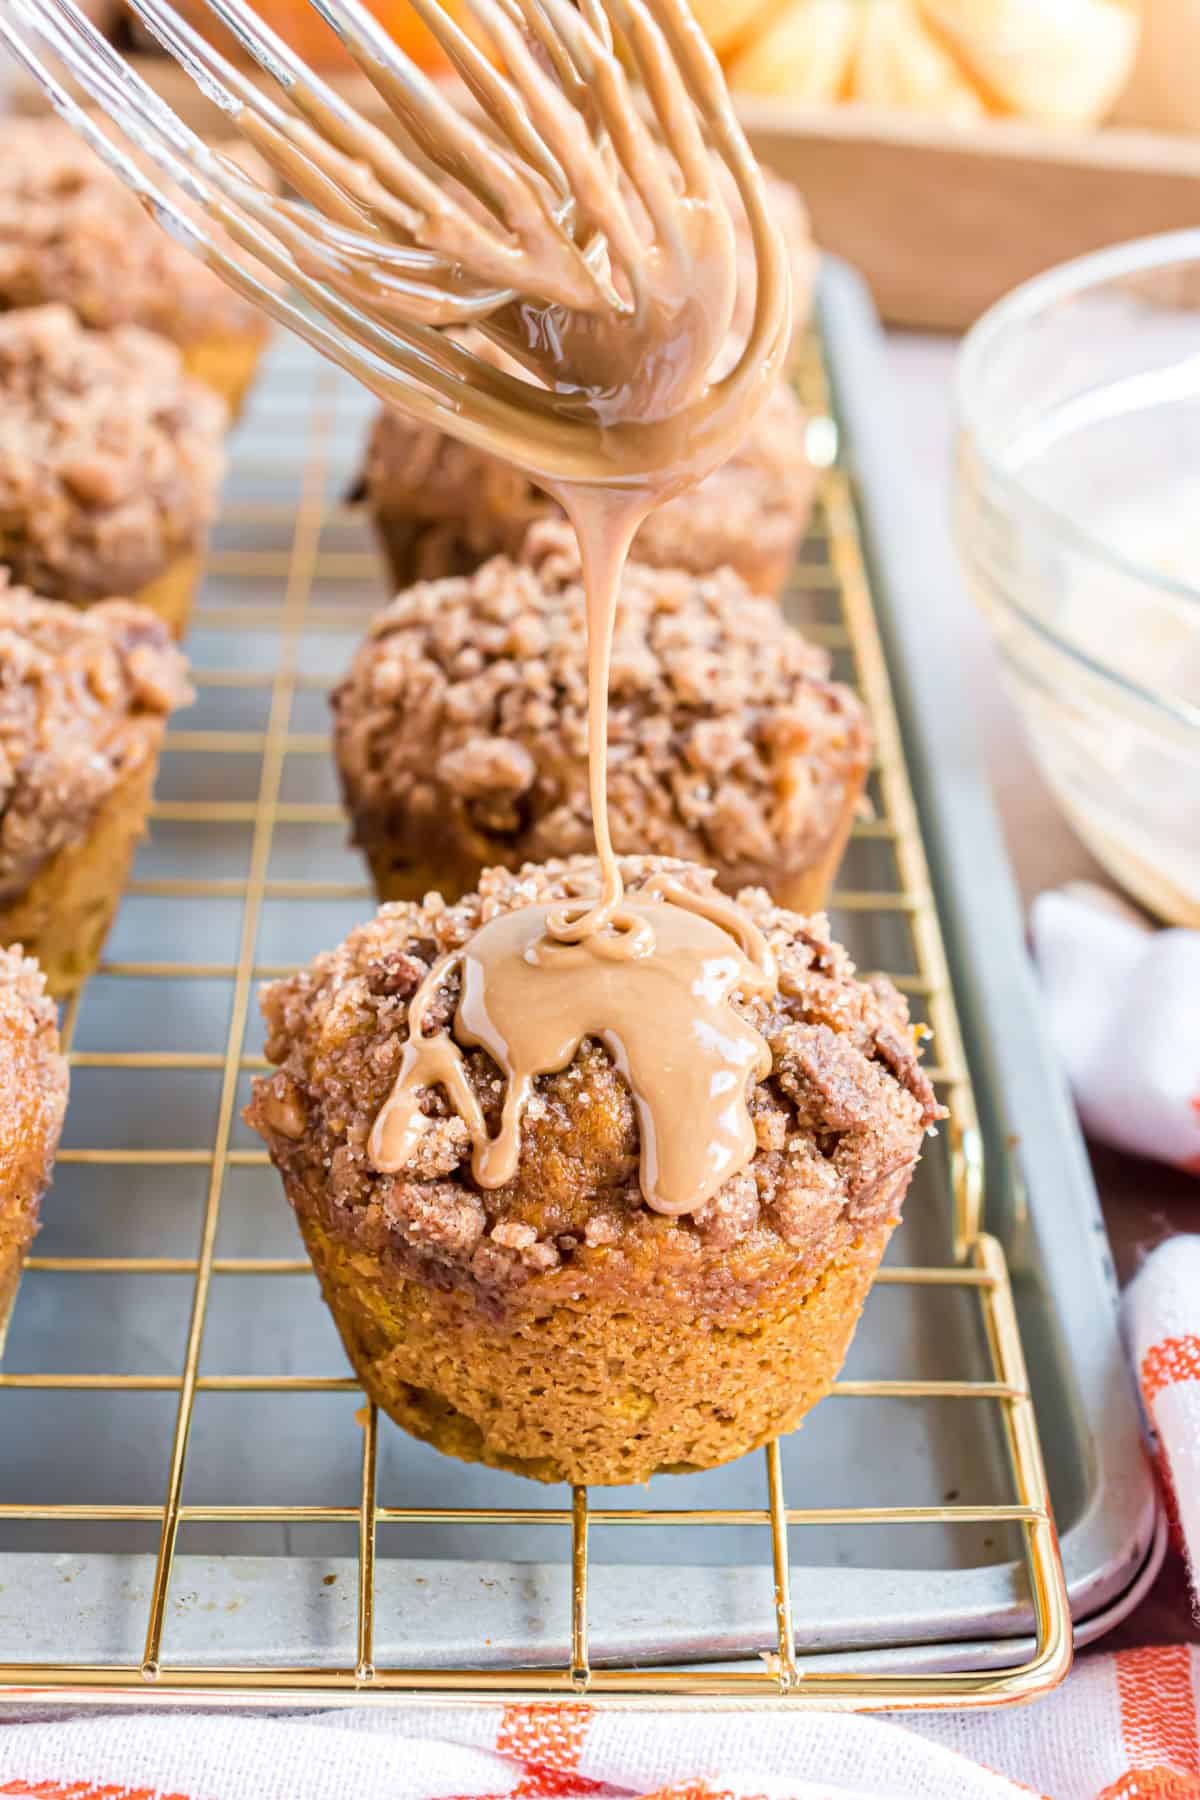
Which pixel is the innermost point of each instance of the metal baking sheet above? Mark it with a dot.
(283, 1593)
(1041, 1198)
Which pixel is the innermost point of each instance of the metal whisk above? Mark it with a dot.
(555, 203)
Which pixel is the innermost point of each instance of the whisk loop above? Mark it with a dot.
(555, 208)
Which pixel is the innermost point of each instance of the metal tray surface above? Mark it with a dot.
(1041, 1197)
(284, 1592)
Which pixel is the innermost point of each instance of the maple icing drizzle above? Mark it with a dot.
(653, 987)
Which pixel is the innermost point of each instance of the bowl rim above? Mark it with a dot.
(1025, 303)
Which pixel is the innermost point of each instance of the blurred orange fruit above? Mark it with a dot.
(1060, 62)
(305, 32)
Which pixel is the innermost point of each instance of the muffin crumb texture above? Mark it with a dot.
(461, 729)
(70, 231)
(84, 696)
(33, 1099)
(558, 1325)
(110, 457)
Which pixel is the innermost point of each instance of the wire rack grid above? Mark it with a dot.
(282, 577)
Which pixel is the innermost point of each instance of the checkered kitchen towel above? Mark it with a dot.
(1121, 1727)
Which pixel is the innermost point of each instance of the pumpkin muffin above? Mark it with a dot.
(33, 1099)
(557, 1326)
(70, 231)
(84, 700)
(110, 463)
(441, 507)
(461, 730)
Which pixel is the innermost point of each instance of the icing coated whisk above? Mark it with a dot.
(551, 211)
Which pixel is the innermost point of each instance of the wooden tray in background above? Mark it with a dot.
(943, 220)
(940, 219)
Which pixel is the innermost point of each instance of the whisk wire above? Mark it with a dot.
(561, 196)
(126, 167)
(221, 82)
(599, 201)
(437, 363)
(354, 141)
(636, 154)
(445, 134)
(668, 95)
(240, 205)
(493, 94)
(323, 107)
(376, 172)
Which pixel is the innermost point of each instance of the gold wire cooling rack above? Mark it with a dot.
(277, 605)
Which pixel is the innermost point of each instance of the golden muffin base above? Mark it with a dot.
(171, 594)
(33, 1098)
(400, 877)
(16, 1235)
(806, 890)
(12, 1256)
(598, 1392)
(64, 915)
(227, 365)
(453, 870)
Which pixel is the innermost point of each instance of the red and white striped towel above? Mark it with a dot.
(1162, 1326)
(1122, 1727)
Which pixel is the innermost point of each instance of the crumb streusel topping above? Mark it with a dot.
(844, 1108)
(77, 692)
(110, 457)
(33, 1089)
(467, 706)
(70, 231)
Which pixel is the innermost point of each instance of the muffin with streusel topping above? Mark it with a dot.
(441, 507)
(70, 231)
(110, 463)
(558, 1325)
(33, 1099)
(461, 730)
(84, 700)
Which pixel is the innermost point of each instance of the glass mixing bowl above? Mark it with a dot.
(1077, 509)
